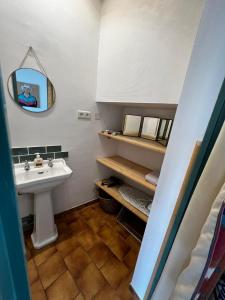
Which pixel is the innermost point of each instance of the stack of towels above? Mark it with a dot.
(152, 177)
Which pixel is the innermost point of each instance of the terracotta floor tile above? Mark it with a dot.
(91, 281)
(134, 243)
(44, 255)
(51, 269)
(76, 261)
(107, 293)
(64, 288)
(114, 271)
(64, 231)
(71, 216)
(100, 212)
(37, 291)
(28, 253)
(99, 254)
(67, 246)
(87, 239)
(62, 227)
(32, 271)
(119, 247)
(88, 212)
(122, 231)
(78, 226)
(111, 222)
(93, 258)
(28, 242)
(111, 218)
(79, 297)
(95, 223)
(130, 259)
(106, 233)
(124, 290)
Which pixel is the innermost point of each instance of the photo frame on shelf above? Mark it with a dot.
(132, 125)
(150, 128)
(165, 128)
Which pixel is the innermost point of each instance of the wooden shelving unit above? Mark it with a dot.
(137, 141)
(113, 192)
(128, 169)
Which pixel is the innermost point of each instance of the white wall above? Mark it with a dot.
(202, 85)
(65, 36)
(145, 47)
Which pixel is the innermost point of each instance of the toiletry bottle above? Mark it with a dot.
(38, 161)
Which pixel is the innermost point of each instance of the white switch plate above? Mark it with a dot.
(84, 114)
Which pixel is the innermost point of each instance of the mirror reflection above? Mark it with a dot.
(31, 90)
(131, 125)
(150, 128)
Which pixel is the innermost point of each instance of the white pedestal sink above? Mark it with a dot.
(41, 181)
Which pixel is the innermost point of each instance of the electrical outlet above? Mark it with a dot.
(84, 114)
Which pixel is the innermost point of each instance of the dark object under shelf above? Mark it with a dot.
(107, 203)
(111, 181)
(132, 223)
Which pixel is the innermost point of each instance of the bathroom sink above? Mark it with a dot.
(41, 181)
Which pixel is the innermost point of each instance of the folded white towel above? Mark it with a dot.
(152, 177)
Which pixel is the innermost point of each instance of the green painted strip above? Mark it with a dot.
(11, 244)
(212, 132)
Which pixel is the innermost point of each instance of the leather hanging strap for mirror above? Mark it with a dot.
(31, 52)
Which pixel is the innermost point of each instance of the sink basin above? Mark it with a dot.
(41, 181)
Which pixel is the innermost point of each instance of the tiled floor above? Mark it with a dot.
(93, 258)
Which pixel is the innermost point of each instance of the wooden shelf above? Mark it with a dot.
(137, 141)
(128, 169)
(113, 192)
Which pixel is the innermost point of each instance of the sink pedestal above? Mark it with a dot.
(45, 230)
(40, 182)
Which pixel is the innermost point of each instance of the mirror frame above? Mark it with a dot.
(23, 109)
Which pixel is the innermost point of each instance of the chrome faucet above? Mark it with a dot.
(50, 162)
(26, 165)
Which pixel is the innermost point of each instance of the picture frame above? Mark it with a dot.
(131, 125)
(164, 132)
(150, 128)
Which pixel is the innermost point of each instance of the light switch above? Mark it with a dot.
(84, 114)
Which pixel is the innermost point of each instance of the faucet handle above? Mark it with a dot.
(26, 165)
(50, 162)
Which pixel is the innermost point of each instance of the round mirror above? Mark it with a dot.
(31, 90)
